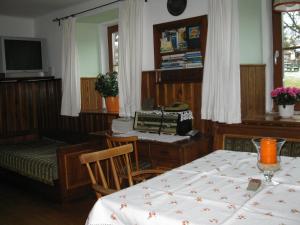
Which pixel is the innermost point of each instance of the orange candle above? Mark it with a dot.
(268, 153)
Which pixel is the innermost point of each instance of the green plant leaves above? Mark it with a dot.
(107, 84)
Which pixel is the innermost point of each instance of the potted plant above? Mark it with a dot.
(107, 86)
(285, 98)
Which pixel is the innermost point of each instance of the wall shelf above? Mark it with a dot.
(179, 74)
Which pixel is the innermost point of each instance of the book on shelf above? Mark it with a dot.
(173, 62)
(191, 59)
(174, 56)
(193, 53)
(193, 36)
(172, 68)
(193, 65)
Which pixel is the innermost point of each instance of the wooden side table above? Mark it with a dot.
(169, 155)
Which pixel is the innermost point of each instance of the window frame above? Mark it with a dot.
(277, 46)
(110, 31)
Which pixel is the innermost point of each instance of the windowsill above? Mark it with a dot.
(273, 118)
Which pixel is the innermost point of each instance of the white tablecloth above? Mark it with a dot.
(209, 190)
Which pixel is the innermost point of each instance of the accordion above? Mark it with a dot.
(157, 121)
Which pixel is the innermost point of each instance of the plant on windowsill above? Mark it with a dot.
(285, 98)
(107, 86)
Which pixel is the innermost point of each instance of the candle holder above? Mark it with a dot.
(264, 157)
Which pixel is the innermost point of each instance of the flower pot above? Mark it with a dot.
(287, 111)
(112, 104)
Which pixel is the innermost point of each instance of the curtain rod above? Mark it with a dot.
(75, 14)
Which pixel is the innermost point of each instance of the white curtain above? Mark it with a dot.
(71, 102)
(130, 56)
(221, 82)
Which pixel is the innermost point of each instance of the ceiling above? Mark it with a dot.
(33, 8)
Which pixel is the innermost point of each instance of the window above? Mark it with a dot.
(286, 31)
(113, 48)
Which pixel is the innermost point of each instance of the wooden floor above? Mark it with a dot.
(19, 207)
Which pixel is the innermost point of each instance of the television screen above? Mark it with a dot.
(23, 54)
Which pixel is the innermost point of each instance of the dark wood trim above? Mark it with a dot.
(277, 46)
(110, 31)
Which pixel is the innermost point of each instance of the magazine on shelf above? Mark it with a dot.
(181, 40)
(193, 37)
(165, 46)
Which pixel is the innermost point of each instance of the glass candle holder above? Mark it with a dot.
(268, 156)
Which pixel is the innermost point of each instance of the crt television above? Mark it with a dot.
(21, 57)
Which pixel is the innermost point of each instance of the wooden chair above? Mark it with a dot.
(100, 182)
(100, 179)
(118, 141)
(141, 171)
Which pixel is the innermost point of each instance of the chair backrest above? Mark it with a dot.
(95, 161)
(118, 141)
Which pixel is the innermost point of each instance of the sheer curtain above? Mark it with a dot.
(130, 56)
(71, 102)
(221, 82)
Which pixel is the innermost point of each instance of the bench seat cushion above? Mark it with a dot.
(36, 160)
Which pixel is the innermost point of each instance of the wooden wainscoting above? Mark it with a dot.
(87, 122)
(19, 111)
(91, 100)
(165, 93)
(32, 106)
(253, 94)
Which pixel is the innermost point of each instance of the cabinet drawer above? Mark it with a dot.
(163, 153)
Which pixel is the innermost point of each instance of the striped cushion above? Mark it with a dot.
(36, 160)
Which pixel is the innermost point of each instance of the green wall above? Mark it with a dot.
(88, 41)
(87, 38)
(250, 31)
(102, 17)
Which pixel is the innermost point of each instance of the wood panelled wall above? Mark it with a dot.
(165, 93)
(91, 100)
(34, 105)
(253, 98)
(31, 106)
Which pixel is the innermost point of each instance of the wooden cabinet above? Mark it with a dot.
(168, 155)
(171, 155)
(194, 36)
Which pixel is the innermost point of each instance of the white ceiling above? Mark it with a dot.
(33, 8)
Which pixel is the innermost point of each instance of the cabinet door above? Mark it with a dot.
(143, 153)
(167, 156)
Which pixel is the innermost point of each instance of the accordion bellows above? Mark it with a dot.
(157, 121)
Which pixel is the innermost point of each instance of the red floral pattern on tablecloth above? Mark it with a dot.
(210, 190)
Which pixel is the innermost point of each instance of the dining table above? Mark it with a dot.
(209, 190)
